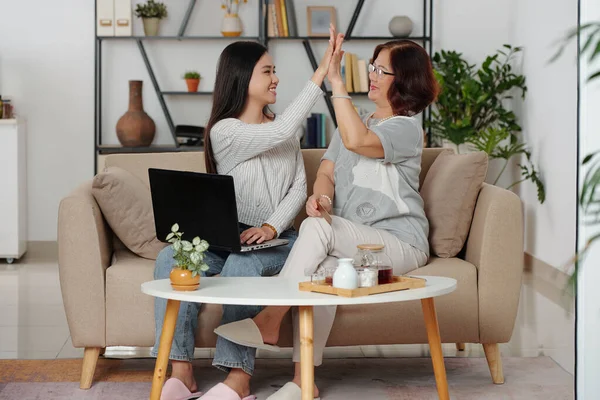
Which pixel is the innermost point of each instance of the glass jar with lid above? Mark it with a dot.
(367, 276)
(372, 256)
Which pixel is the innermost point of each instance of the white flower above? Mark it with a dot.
(187, 246)
(177, 246)
(170, 236)
(196, 241)
(175, 228)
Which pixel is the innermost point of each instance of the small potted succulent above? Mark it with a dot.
(151, 13)
(189, 257)
(192, 79)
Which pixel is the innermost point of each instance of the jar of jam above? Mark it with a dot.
(372, 256)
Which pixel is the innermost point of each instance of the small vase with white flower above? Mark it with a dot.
(189, 257)
(232, 24)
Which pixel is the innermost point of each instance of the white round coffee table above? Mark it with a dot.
(276, 291)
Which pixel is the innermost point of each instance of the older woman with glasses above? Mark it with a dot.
(369, 180)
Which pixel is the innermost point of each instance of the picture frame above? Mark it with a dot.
(318, 19)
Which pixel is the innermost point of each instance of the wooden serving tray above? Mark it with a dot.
(400, 283)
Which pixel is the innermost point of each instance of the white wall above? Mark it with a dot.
(549, 114)
(588, 334)
(549, 121)
(46, 66)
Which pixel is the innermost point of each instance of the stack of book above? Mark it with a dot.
(355, 74)
(316, 133)
(281, 19)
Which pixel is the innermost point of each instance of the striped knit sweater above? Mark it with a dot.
(266, 163)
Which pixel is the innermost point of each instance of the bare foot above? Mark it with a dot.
(239, 381)
(296, 380)
(268, 327)
(183, 371)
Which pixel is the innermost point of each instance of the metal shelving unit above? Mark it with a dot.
(100, 148)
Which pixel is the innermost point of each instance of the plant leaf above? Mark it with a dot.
(593, 76)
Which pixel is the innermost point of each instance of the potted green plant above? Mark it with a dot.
(189, 257)
(471, 109)
(151, 13)
(192, 79)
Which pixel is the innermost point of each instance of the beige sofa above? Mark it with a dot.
(100, 279)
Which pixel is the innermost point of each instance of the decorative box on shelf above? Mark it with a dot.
(13, 189)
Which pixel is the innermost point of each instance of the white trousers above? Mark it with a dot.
(321, 244)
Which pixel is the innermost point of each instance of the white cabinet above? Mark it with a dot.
(13, 189)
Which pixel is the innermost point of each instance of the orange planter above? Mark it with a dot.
(192, 84)
(181, 279)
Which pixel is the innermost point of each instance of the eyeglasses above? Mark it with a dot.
(380, 72)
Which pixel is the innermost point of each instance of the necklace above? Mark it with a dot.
(381, 121)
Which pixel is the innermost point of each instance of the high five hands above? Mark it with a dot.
(330, 65)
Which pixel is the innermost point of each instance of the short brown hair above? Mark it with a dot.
(415, 86)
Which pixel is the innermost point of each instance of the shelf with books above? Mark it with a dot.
(280, 25)
(265, 35)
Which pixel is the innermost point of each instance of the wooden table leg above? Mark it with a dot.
(307, 365)
(435, 347)
(164, 349)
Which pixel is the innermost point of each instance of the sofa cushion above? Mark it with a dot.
(450, 192)
(127, 206)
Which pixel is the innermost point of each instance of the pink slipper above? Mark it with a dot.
(223, 392)
(174, 389)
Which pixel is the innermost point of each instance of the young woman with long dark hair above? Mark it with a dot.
(262, 153)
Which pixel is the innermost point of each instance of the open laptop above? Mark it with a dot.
(203, 205)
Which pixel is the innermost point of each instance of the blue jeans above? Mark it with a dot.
(266, 262)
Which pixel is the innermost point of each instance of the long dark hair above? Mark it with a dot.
(415, 86)
(236, 64)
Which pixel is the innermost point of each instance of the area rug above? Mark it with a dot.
(347, 379)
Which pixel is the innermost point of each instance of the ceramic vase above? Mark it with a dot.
(135, 128)
(400, 26)
(231, 25)
(181, 279)
(345, 276)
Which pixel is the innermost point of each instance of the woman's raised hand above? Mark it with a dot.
(323, 67)
(334, 74)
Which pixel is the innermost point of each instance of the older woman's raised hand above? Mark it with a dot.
(323, 68)
(334, 73)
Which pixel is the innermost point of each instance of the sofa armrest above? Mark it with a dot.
(84, 253)
(495, 247)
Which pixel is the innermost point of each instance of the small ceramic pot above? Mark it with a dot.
(151, 26)
(192, 84)
(345, 276)
(231, 25)
(181, 279)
